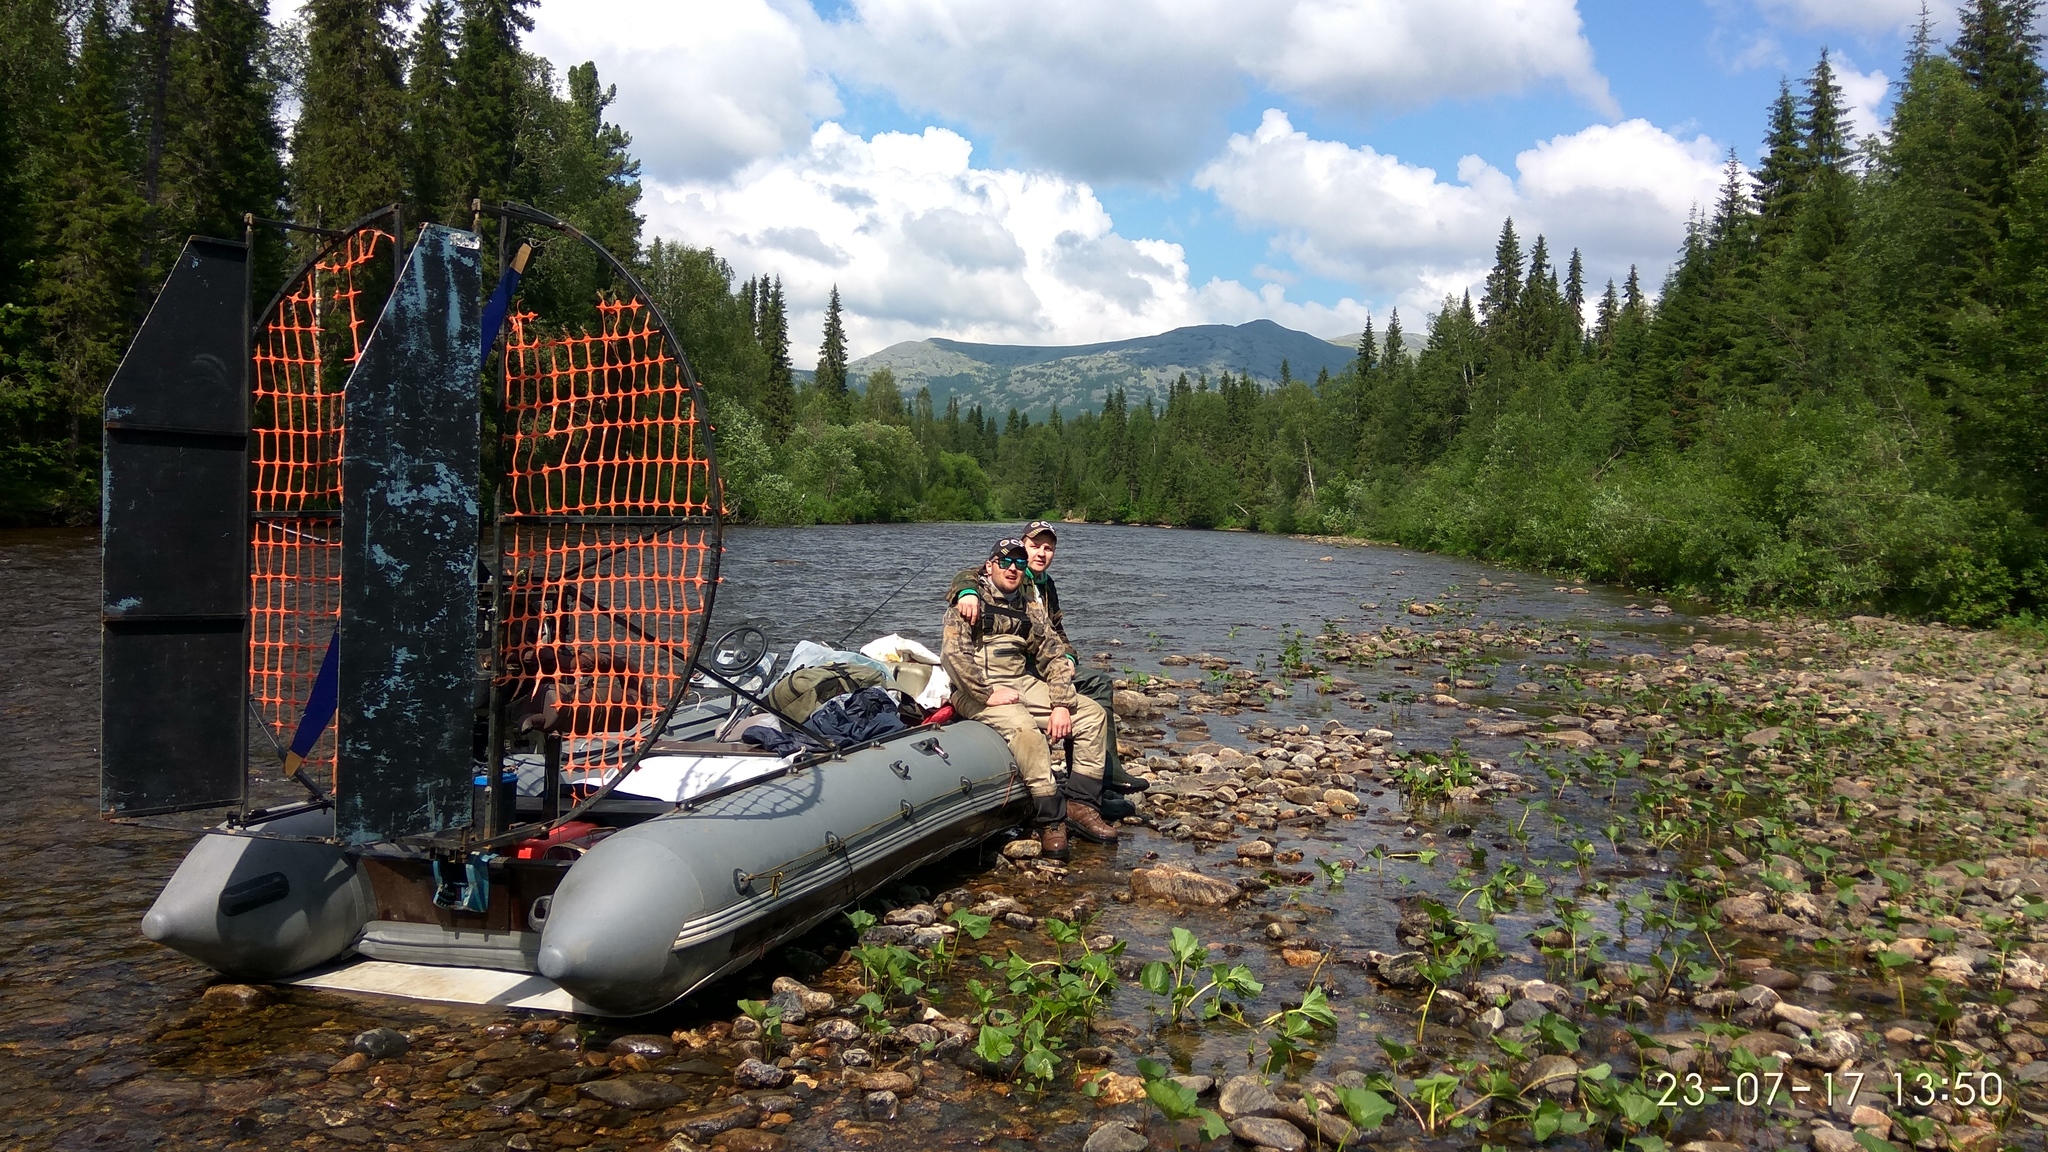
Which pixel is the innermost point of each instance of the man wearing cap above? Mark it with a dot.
(1010, 670)
(1041, 540)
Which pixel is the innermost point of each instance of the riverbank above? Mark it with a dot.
(1494, 852)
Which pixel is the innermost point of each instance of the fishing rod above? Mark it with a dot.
(884, 602)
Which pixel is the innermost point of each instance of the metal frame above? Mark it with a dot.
(335, 238)
(502, 828)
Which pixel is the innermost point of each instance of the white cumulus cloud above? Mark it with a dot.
(1135, 90)
(1865, 93)
(1620, 193)
(705, 86)
(920, 242)
(1138, 89)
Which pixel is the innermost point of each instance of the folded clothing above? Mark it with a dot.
(857, 717)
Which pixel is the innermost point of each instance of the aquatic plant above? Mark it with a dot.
(1179, 980)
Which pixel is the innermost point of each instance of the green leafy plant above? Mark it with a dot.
(1177, 1101)
(1293, 1029)
(1179, 980)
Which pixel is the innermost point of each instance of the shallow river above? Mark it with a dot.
(102, 1041)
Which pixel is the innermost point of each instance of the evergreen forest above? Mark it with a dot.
(1835, 398)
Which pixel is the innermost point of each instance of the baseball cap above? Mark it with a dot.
(1038, 526)
(1009, 546)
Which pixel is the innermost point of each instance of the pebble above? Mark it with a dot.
(1024, 848)
(1183, 887)
(1269, 1132)
(1557, 1075)
(643, 1044)
(1246, 1096)
(381, 1043)
(703, 1126)
(1114, 1136)
(641, 1094)
(879, 1105)
(756, 1074)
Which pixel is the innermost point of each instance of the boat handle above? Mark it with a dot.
(966, 787)
(741, 881)
(931, 747)
(909, 813)
(900, 768)
(834, 844)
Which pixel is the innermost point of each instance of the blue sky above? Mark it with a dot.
(1064, 171)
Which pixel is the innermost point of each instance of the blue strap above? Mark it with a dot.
(501, 298)
(320, 704)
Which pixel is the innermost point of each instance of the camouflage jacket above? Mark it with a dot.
(1040, 586)
(1014, 620)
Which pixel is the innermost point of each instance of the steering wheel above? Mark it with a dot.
(739, 650)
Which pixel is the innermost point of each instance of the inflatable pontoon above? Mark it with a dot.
(471, 629)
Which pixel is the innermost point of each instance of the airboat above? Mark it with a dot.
(447, 560)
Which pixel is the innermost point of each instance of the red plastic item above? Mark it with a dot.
(562, 835)
(943, 714)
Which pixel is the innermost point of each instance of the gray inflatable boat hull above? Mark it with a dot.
(651, 912)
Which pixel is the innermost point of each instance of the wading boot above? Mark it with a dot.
(1115, 806)
(1052, 842)
(1114, 776)
(1087, 820)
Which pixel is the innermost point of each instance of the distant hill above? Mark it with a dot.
(1077, 377)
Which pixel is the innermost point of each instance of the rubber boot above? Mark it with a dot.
(1101, 688)
(1083, 812)
(1115, 806)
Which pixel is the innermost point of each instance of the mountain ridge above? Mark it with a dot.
(1077, 377)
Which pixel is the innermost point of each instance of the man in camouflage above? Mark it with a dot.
(1041, 540)
(1010, 670)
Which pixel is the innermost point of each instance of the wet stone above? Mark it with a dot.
(637, 1093)
(1246, 1096)
(1114, 1136)
(703, 1126)
(881, 1105)
(506, 1103)
(643, 1044)
(1557, 1075)
(1267, 1132)
(896, 1082)
(381, 1043)
(756, 1074)
(235, 997)
(1182, 887)
(752, 1140)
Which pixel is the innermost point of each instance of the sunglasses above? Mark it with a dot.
(1009, 562)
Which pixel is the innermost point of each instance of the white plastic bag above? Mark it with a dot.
(894, 649)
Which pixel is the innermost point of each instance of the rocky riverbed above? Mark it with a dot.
(1431, 872)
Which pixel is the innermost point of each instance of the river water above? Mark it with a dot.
(102, 1040)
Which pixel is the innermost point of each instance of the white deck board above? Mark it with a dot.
(485, 986)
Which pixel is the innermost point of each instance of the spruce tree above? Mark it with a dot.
(430, 116)
(489, 83)
(1998, 48)
(1504, 282)
(223, 156)
(93, 227)
(1368, 353)
(778, 398)
(1823, 120)
(348, 145)
(1782, 175)
(830, 377)
(1605, 319)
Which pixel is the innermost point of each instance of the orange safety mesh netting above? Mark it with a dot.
(302, 353)
(610, 508)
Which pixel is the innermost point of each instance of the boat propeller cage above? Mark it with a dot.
(481, 535)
